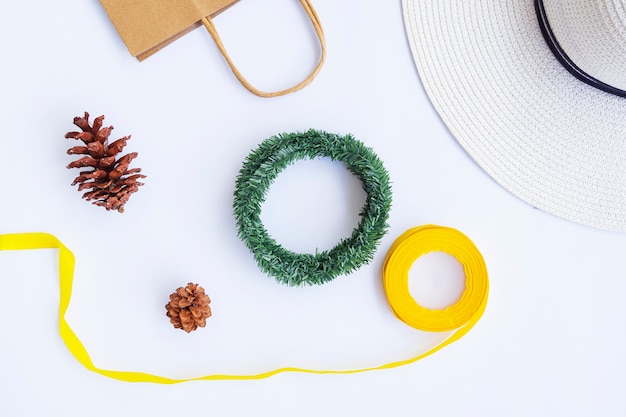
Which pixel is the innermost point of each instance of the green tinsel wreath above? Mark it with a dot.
(260, 169)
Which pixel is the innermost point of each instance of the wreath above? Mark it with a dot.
(260, 169)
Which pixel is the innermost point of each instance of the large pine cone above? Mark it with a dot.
(189, 308)
(109, 181)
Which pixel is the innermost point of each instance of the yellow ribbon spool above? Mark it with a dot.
(403, 253)
(462, 315)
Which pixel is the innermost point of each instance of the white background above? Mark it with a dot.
(550, 343)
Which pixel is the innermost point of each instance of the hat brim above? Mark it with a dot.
(550, 139)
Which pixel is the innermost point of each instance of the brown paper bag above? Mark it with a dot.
(146, 26)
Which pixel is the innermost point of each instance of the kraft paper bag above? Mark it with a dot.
(146, 26)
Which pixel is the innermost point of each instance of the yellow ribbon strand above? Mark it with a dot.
(403, 252)
(315, 20)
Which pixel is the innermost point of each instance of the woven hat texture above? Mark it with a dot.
(550, 139)
(592, 33)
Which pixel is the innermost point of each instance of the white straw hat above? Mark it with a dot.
(545, 135)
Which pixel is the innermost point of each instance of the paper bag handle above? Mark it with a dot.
(208, 23)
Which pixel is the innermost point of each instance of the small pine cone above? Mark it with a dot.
(188, 307)
(108, 180)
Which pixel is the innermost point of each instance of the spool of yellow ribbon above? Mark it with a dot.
(462, 315)
(403, 252)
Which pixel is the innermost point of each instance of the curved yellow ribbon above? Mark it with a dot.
(395, 259)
